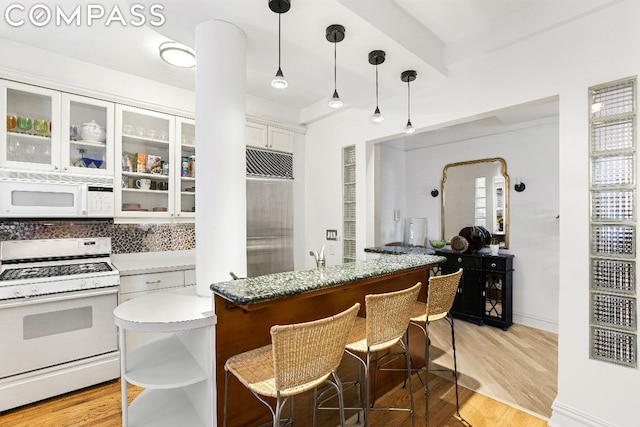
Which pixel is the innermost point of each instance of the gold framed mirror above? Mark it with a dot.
(476, 192)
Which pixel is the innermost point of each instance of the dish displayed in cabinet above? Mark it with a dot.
(157, 170)
(36, 138)
(29, 111)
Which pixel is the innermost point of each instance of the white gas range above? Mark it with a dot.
(57, 333)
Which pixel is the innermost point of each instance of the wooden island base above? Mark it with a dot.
(242, 328)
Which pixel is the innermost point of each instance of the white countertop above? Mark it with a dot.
(167, 311)
(154, 262)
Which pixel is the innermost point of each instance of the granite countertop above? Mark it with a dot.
(281, 285)
(154, 262)
(398, 250)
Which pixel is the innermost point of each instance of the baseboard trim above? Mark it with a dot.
(567, 416)
(548, 325)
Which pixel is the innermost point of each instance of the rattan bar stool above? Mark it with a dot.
(441, 292)
(387, 319)
(300, 357)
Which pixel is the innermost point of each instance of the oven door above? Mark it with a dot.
(44, 331)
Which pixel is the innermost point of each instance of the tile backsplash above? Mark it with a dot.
(125, 238)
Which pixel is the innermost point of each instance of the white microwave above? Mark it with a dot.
(32, 199)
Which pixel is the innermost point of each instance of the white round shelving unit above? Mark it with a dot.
(176, 367)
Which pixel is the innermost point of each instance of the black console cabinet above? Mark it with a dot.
(484, 294)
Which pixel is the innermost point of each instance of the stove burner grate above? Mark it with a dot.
(54, 271)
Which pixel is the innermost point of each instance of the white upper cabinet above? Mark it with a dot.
(185, 168)
(255, 135)
(145, 184)
(280, 139)
(87, 135)
(46, 130)
(270, 137)
(31, 133)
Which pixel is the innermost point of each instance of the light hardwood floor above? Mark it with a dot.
(517, 368)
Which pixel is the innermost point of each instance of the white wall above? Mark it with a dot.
(390, 195)
(531, 153)
(565, 62)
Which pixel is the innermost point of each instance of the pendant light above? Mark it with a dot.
(407, 77)
(376, 57)
(279, 7)
(335, 34)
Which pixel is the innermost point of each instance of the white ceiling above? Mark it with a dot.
(425, 35)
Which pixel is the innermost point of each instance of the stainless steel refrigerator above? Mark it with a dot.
(269, 225)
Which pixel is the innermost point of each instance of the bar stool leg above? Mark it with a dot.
(226, 396)
(455, 361)
(426, 374)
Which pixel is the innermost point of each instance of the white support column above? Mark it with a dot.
(221, 225)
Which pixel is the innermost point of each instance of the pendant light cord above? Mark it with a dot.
(376, 85)
(279, 51)
(335, 64)
(409, 100)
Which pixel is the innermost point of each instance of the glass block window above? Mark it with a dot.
(349, 204)
(613, 300)
(612, 135)
(614, 276)
(613, 346)
(613, 205)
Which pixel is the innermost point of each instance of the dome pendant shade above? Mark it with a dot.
(377, 57)
(335, 101)
(409, 127)
(278, 81)
(377, 117)
(335, 34)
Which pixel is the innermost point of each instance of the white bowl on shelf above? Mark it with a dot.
(92, 131)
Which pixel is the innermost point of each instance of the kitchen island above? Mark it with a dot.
(247, 308)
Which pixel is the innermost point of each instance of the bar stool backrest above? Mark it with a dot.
(305, 354)
(440, 294)
(388, 316)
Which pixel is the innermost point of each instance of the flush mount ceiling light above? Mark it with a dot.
(279, 7)
(177, 54)
(376, 57)
(407, 77)
(335, 34)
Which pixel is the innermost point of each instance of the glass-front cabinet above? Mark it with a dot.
(185, 168)
(46, 130)
(144, 141)
(31, 137)
(87, 146)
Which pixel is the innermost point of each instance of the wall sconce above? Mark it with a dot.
(435, 192)
(519, 187)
